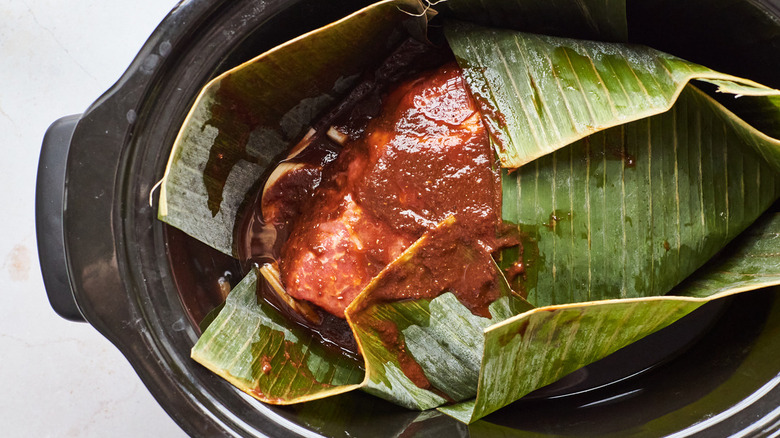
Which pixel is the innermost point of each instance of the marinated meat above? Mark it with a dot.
(424, 158)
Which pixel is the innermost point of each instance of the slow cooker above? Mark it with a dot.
(106, 259)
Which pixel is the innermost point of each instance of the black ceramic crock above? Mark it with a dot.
(105, 258)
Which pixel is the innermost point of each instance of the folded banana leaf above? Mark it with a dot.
(622, 178)
(243, 119)
(521, 358)
(422, 352)
(539, 93)
(646, 203)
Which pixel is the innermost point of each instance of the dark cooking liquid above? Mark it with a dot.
(203, 275)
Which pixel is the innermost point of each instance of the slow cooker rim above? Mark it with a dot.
(140, 85)
(129, 92)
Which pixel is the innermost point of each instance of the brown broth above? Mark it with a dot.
(202, 274)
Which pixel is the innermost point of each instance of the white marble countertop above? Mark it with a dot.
(60, 378)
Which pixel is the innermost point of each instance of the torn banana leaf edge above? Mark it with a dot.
(512, 340)
(246, 117)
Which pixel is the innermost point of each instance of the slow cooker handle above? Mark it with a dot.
(49, 208)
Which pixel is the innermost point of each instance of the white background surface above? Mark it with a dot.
(59, 378)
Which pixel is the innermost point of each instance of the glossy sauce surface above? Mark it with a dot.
(424, 158)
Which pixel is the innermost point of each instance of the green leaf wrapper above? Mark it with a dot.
(540, 346)
(633, 210)
(246, 117)
(624, 180)
(539, 93)
(251, 345)
(426, 350)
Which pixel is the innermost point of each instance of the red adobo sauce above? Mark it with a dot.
(414, 153)
(426, 157)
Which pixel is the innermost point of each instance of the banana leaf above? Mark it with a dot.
(243, 119)
(539, 93)
(252, 345)
(522, 361)
(632, 211)
(748, 263)
(433, 350)
(423, 352)
(604, 20)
